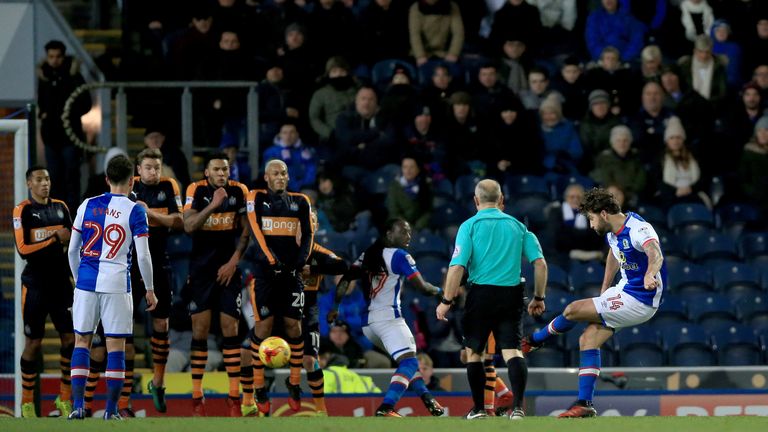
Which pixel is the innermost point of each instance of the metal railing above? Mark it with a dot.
(104, 90)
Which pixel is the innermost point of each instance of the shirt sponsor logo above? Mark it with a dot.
(279, 226)
(625, 242)
(43, 233)
(220, 222)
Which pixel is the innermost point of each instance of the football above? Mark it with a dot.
(274, 352)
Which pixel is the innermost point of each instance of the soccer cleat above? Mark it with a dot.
(64, 406)
(262, 401)
(127, 413)
(528, 345)
(294, 395)
(386, 411)
(78, 414)
(233, 407)
(249, 410)
(517, 414)
(158, 396)
(432, 405)
(87, 412)
(28, 410)
(474, 414)
(198, 407)
(113, 416)
(579, 409)
(503, 404)
(490, 412)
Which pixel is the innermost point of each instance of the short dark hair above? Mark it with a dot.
(119, 169)
(598, 199)
(34, 168)
(149, 153)
(539, 70)
(213, 156)
(56, 45)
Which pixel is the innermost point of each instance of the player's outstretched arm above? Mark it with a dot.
(73, 253)
(611, 267)
(424, 286)
(655, 261)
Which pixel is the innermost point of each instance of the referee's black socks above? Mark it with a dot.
(476, 378)
(518, 377)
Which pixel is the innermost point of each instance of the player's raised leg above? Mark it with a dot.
(591, 340)
(580, 310)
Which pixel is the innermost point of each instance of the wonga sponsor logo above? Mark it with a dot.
(714, 405)
(279, 226)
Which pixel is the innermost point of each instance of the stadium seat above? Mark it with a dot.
(464, 189)
(443, 188)
(375, 183)
(753, 245)
(361, 242)
(551, 356)
(562, 182)
(390, 171)
(529, 210)
(736, 214)
(557, 278)
(556, 303)
(179, 272)
(732, 278)
(682, 215)
(517, 187)
(587, 278)
(432, 269)
(671, 246)
(382, 71)
(693, 233)
(653, 215)
(713, 247)
(737, 345)
(688, 345)
(639, 346)
(710, 306)
(684, 277)
(671, 311)
(424, 243)
(340, 244)
(448, 214)
(754, 312)
(179, 245)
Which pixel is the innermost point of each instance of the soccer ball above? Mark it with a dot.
(274, 352)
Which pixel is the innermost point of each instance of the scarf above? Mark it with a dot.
(572, 218)
(702, 76)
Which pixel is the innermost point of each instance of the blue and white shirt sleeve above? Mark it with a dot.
(77, 225)
(642, 234)
(403, 264)
(138, 221)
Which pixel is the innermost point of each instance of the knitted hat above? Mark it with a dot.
(762, 123)
(674, 128)
(336, 62)
(461, 98)
(597, 96)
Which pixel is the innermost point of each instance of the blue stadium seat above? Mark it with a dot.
(736, 214)
(382, 71)
(690, 234)
(529, 210)
(179, 245)
(639, 346)
(587, 278)
(179, 273)
(732, 278)
(361, 242)
(684, 277)
(702, 307)
(562, 182)
(557, 278)
(653, 215)
(424, 243)
(432, 269)
(671, 246)
(517, 187)
(465, 187)
(672, 310)
(753, 245)
(682, 215)
(689, 345)
(713, 247)
(339, 244)
(551, 356)
(447, 215)
(737, 345)
(556, 303)
(390, 171)
(376, 183)
(443, 188)
(754, 312)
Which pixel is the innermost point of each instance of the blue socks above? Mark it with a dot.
(589, 370)
(400, 380)
(418, 385)
(557, 326)
(115, 376)
(81, 364)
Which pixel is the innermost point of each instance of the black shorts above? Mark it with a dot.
(310, 324)
(202, 293)
(162, 276)
(493, 309)
(45, 298)
(280, 295)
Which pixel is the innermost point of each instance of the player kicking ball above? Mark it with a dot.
(634, 300)
(385, 263)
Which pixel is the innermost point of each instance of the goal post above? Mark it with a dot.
(20, 165)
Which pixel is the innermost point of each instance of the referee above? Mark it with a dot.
(490, 246)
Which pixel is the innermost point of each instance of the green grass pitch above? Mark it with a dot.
(421, 424)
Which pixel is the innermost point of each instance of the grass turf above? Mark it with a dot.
(366, 424)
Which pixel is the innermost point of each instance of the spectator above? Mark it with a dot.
(729, 50)
(462, 136)
(538, 89)
(331, 99)
(362, 138)
(382, 23)
(680, 173)
(595, 128)
(426, 145)
(649, 123)
(338, 378)
(697, 18)
(562, 147)
(334, 30)
(704, 72)
(571, 84)
(619, 195)
(615, 78)
(239, 170)
(756, 47)
(754, 166)
(300, 159)
(277, 16)
(436, 94)
(558, 21)
(651, 13)
(174, 161)
(760, 77)
(673, 90)
(515, 146)
(621, 165)
(191, 48)
(488, 92)
(276, 103)
(410, 196)
(299, 64)
(515, 63)
(519, 17)
(740, 121)
(651, 63)
(609, 26)
(427, 370)
(574, 239)
(335, 200)
(436, 30)
(344, 344)
(399, 100)
(57, 77)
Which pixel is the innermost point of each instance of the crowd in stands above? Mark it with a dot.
(394, 108)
